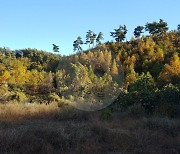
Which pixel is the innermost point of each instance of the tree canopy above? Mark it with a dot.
(157, 27)
(120, 33)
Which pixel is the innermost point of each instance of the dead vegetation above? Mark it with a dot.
(47, 129)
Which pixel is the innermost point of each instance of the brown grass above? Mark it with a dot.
(47, 129)
(15, 112)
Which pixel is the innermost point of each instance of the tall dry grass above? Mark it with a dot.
(15, 112)
(66, 130)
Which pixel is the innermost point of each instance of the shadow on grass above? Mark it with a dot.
(48, 129)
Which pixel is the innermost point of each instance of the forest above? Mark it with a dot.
(118, 81)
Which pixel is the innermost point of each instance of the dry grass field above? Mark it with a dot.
(47, 129)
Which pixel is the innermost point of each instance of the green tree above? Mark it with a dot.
(157, 27)
(138, 30)
(93, 38)
(88, 37)
(120, 33)
(77, 44)
(55, 48)
(178, 27)
(99, 38)
(131, 77)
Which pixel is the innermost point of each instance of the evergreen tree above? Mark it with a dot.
(93, 38)
(138, 30)
(77, 44)
(156, 27)
(88, 37)
(120, 33)
(178, 27)
(99, 38)
(55, 48)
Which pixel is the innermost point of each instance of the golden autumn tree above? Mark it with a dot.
(35, 78)
(4, 76)
(131, 77)
(18, 72)
(171, 71)
(108, 58)
(114, 68)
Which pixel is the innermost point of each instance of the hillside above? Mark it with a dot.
(27, 74)
(132, 89)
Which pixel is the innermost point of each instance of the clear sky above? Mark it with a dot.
(40, 23)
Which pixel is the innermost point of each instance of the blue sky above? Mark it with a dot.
(40, 23)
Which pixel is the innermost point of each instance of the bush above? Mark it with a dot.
(136, 110)
(19, 96)
(169, 101)
(106, 114)
(143, 92)
(53, 97)
(165, 101)
(4, 93)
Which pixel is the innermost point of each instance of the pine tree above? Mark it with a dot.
(55, 48)
(178, 27)
(157, 27)
(137, 31)
(99, 38)
(120, 33)
(77, 44)
(88, 37)
(93, 38)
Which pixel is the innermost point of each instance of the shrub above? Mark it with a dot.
(136, 110)
(169, 101)
(53, 97)
(106, 114)
(19, 96)
(143, 92)
(4, 93)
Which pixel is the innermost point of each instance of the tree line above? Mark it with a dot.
(119, 34)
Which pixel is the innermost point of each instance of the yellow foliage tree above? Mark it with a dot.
(114, 68)
(131, 77)
(5, 76)
(18, 72)
(171, 71)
